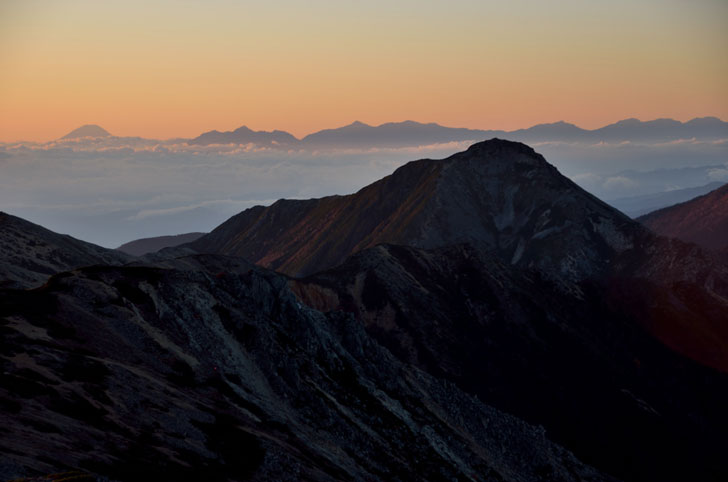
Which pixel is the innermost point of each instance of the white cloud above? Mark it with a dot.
(237, 204)
(619, 182)
(718, 174)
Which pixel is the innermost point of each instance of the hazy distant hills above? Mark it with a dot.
(635, 206)
(703, 220)
(409, 133)
(244, 135)
(140, 247)
(393, 134)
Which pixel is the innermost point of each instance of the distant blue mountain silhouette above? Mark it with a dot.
(410, 133)
(244, 135)
(88, 130)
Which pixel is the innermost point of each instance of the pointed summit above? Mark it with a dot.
(88, 130)
(498, 195)
(357, 123)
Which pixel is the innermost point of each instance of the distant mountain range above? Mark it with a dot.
(498, 195)
(244, 135)
(410, 133)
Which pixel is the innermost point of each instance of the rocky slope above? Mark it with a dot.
(140, 247)
(504, 199)
(207, 368)
(497, 195)
(585, 366)
(703, 220)
(29, 253)
(525, 322)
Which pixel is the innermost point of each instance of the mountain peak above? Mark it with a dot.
(357, 123)
(88, 130)
(497, 145)
(499, 195)
(244, 135)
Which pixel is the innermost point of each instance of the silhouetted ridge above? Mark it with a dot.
(29, 253)
(245, 135)
(499, 195)
(702, 220)
(88, 130)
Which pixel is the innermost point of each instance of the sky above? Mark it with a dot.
(164, 69)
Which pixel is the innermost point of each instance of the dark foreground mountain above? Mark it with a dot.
(207, 368)
(497, 195)
(703, 220)
(140, 247)
(502, 198)
(29, 253)
(585, 367)
(519, 293)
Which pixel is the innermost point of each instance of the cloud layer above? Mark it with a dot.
(114, 190)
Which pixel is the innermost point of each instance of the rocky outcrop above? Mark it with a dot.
(498, 195)
(207, 368)
(583, 364)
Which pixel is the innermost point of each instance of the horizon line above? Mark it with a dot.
(355, 122)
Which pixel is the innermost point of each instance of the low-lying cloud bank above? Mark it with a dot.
(112, 190)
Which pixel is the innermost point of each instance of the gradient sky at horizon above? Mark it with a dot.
(177, 68)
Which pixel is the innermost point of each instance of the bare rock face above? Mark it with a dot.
(506, 201)
(498, 195)
(29, 253)
(586, 365)
(527, 331)
(207, 368)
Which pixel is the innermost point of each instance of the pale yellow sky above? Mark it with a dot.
(178, 68)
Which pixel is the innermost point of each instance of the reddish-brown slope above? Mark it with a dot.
(295, 237)
(703, 220)
(498, 195)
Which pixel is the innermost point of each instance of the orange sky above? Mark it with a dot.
(178, 68)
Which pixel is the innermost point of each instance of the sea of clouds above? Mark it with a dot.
(110, 191)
